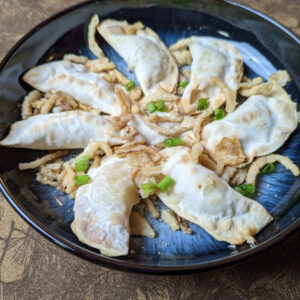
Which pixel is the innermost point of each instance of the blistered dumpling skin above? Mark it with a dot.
(203, 198)
(216, 72)
(261, 124)
(102, 208)
(64, 130)
(144, 53)
(76, 80)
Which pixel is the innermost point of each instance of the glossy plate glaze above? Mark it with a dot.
(266, 46)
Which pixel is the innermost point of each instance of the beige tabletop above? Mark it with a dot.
(31, 267)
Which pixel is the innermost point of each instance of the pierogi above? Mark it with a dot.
(102, 208)
(76, 80)
(216, 72)
(261, 124)
(203, 198)
(64, 130)
(144, 53)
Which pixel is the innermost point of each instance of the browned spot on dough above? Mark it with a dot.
(252, 231)
(250, 117)
(229, 152)
(185, 158)
(116, 219)
(61, 76)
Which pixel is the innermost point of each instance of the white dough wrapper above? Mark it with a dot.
(64, 130)
(144, 53)
(203, 198)
(102, 208)
(261, 124)
(216, 72)
(76, 80)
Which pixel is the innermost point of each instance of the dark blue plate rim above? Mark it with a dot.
(128, 266)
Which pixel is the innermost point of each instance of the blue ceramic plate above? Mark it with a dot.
(266, 47)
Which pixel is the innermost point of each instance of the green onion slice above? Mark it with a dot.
(161, 105)
(151, 107)
(82, 163)
(219, 114)
(245, 189)
(82, 179)
(173, 142)
(166, 182)
(130, 85)
(202, 104)
(268, 168)
(183, 83)
(148, 188)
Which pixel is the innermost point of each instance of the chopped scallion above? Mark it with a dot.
(183, 83)
(161, 105)
(202, 104)
(166, 182)
(173, 142)
(82, 179)
(82, 163)
(151, 107)
(245, 189)
(148, 188)
(130, 85)
(268, 168)
(219, 114)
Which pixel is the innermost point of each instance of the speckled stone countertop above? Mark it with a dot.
(31, 267)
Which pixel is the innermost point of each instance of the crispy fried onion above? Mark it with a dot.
(207, 89)
(159, 95)
(115, 76)
(49, 173)
(228, 173)
(66, 183)
(93, 45)
(240, 176)
(165, 117)
(169, 217)
(27, 103)
(54, 102)
(43, 160)
(197, 150)
(269, 159)
(140, 226)
(184, 225)
(264, 89)
(165, 128)
(95, 65)
(94, 149)
(125, 116)
(281, 77)
(152, 208)
(188, 138)
(200, 121)
(132, 147)
(136, 93)
(133, 28)
(229, 152)
(99, 65)
(207, 162)
(250, 83)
